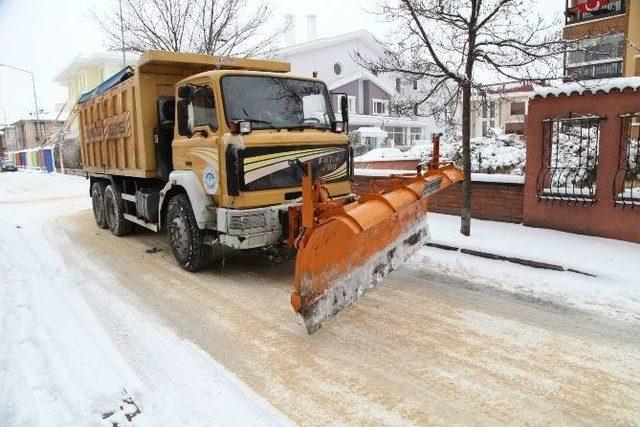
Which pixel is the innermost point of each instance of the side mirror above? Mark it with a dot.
(187, 92)
(344, 108)
(185, 118)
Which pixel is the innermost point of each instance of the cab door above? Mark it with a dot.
(197, 148)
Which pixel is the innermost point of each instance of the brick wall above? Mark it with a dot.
(492, 201)
(603, 218)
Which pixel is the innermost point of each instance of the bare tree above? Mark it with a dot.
(450, 43)
(220, 27)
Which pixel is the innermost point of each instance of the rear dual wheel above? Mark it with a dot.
(114, 212)
(97, 203)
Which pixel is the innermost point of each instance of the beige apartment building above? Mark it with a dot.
(607, 35)
(85, 73)
(502, 106)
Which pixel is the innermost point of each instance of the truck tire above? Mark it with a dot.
(114, 209)
(97, 202)
(186, 239)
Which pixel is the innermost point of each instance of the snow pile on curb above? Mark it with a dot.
(614, 291)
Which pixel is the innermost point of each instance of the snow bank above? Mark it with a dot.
(499, 153)
(614, 291)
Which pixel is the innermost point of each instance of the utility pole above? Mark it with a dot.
(124, 58)
(33, 86)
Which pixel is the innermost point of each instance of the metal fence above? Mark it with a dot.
(569, 160)
(626, 184)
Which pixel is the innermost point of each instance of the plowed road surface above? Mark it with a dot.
(419, 349)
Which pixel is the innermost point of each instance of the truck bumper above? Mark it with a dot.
(250, 228)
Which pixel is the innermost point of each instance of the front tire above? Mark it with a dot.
(187, 240)
(114, 210)
(97, 202)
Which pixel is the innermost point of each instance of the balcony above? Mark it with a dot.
(574, 15)
(594, 71)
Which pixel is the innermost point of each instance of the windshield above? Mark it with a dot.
(276, 102)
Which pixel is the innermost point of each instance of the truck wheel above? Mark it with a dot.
(97, 201)
(187, 240)
(114, 209)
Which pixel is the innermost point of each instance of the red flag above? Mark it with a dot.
(591, 5)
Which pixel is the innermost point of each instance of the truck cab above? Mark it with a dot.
(243, 135)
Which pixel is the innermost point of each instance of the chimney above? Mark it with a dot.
(290, 30)
(312, 28)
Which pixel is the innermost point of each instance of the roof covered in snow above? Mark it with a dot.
(362, 35)
(588, 86)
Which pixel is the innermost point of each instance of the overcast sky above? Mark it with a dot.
(45, 35)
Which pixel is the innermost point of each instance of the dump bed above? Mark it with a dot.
(117, 119)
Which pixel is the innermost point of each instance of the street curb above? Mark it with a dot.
(514, 260)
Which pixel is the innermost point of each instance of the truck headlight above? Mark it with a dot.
(248, 221)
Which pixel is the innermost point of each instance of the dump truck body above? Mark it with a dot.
(221, 151)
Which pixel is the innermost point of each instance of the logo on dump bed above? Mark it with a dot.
(210, 178)
(431, 187)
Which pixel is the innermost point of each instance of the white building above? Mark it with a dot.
(332, 58)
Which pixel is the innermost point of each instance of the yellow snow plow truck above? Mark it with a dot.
(241, 153)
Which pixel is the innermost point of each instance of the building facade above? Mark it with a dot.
(503, 106)
(369, 96)
(29, 133)
(607, 39)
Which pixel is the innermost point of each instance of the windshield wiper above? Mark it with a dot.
(252, 120)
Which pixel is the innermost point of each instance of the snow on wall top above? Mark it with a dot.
(588, 86)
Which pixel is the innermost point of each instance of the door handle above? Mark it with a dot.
(188, 163)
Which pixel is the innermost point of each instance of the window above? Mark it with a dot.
(337, 68)
(488, 109)
(627, 179)
(569, 160)
(398, 84)
(380, 107)
(415, 134)
(517, 108)
(351, 103)
(396, 135)
(204, 110)
(415, 84)
(595, 49)
(415, 110)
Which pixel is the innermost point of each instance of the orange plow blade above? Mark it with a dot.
(347, 249)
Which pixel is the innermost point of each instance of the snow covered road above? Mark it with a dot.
(61, 364)
(86, 315)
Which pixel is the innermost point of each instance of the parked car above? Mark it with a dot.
(7, 165)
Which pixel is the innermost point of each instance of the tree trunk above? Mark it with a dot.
(465, 215)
